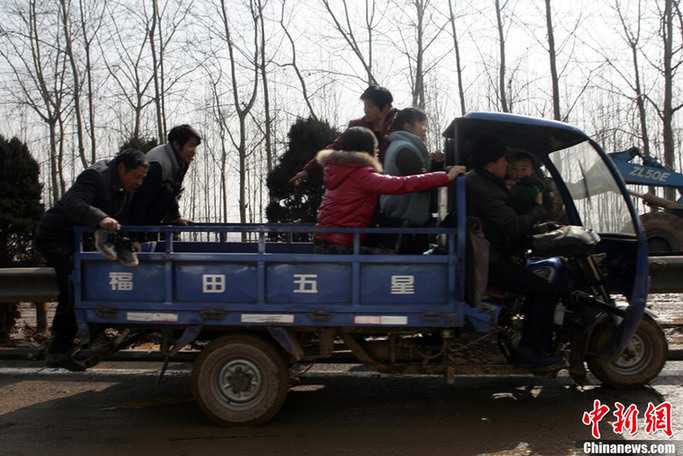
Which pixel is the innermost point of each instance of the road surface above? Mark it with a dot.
(118, 409)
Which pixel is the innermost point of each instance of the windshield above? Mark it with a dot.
(596, 195)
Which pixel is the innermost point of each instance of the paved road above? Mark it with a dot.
(117, 409)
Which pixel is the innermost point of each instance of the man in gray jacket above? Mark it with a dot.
(156, 201)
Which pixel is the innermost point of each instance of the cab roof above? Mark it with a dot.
(523, 133)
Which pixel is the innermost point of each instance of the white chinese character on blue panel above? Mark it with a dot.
(307, 283)
(403, 284)
(121, 281)
(213, 283)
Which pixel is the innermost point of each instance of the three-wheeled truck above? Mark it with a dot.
(254, 300)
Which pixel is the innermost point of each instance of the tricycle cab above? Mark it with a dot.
(590, 190)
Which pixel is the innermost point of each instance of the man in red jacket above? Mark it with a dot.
(377, 106)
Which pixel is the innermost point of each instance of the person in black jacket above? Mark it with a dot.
(489, 199)
(100, 198)
(156, 201)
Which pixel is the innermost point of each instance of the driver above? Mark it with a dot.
(490, 200)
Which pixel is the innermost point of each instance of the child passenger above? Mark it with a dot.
(525, 186)
(353, 183)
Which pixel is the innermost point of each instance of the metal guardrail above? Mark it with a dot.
(37, 285)
(40, 284)
(666, 274)
(28, 285)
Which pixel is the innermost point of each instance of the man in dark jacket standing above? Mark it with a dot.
(100, 198)
(489, 199)
(156, 201)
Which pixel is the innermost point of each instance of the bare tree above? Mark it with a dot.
(241, 105)
(157, 74)
(554, 77)
(502, 92)
(128, 66)
(33, 50)
(294, 64)
(138, 71)
(418, 31)
(562, 48)
(458, 64)
(346, 30)
(501, 81)
(163, 25)
(222, 119)
(418, 87)
(632, 38)
(76, 86)
(90, 25)
(263, 67)
(669, 70)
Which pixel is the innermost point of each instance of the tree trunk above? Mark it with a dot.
(419, 88)
(294, 65)
(458, 66)
(89, 77)
(557, 114)
(667, 114)
(241, 108)
(76, 83)
(270, 159)
(155, 73)
(501, 69)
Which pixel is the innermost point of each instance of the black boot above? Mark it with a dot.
(65, 361)
(530, 358)
(59, 353)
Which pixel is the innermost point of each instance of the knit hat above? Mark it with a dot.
(485, 150)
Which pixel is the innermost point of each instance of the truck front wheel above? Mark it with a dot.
(640, 362)
(239, 380)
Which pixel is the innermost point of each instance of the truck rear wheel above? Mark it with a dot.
(664, 232)
(239, 380)
(639, 363)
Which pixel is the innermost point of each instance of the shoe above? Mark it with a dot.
(530, 358)
(125, 253)
(65, 361)
(105, 243)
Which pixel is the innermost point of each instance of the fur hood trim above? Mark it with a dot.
(343, 157)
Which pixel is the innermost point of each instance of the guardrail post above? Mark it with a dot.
(41, 316)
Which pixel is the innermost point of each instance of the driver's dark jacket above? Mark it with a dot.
(96, 194)
(489, 199)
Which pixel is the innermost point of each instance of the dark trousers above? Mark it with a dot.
(332, 248)
(60, 256)
(541, 297)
